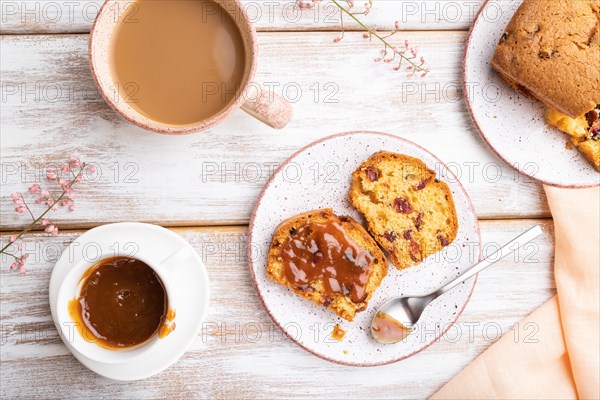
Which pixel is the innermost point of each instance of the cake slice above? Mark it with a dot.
(550, 51)
(328, 259)
(409, 212)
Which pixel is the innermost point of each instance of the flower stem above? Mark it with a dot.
(38, 219)
(383, 40)
(12, 255)
(27, 207)
(31, 225)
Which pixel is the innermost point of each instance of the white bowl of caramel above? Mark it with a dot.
(116, 309)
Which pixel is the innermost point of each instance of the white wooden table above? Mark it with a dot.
(203, 186)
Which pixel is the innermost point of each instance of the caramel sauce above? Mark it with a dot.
(166, 329)
(338, 333)
(122, 304)
(323, 251)
(386, 329)
(168, 325)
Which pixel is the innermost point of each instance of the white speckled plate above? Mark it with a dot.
(318, 176)
(514, 126)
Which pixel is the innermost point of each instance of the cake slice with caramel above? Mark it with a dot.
(328, 259)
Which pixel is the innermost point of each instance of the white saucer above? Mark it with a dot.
(318, 176)
(191, 284)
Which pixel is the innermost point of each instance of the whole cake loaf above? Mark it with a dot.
(550, 50)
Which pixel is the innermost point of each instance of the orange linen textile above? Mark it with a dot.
(565, 361)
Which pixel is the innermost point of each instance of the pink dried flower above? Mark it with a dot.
(306, 4)
(407, 55)
(74, 162)
(92, 169)
(43, 196)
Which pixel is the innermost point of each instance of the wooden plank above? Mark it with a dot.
(66, 16)
(51, 109)
(225, 363)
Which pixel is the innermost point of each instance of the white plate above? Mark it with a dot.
(318, 176)
(191, 284)
(514, 126)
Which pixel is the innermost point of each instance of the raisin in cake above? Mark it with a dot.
(408, 211)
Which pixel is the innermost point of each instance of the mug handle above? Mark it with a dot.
(267, 107)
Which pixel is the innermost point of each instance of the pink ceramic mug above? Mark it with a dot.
(266, 106)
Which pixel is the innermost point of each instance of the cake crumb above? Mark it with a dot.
(338, 333)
